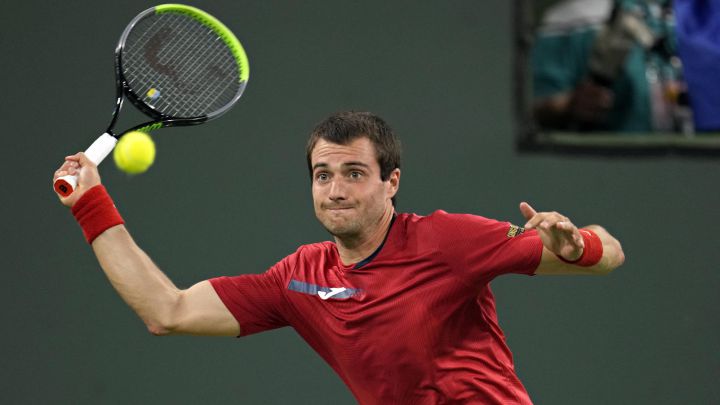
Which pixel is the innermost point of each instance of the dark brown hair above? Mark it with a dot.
(344, 127)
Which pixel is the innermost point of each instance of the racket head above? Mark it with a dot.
(180, 65)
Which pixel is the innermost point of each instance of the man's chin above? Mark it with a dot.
(340, 230)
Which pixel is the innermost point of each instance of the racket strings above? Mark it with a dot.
(215, 87)
(179, 66)
(189, 62)
(188, 58)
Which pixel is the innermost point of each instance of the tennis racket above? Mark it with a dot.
(179, 66)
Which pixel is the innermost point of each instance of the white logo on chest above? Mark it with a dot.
(333, 291)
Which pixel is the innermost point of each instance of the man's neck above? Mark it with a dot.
(357, 249)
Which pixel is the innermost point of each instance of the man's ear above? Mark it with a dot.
(394, 182)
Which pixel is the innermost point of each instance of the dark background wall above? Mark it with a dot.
(232, 196)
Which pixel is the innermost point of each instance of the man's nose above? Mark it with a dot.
(337, 190)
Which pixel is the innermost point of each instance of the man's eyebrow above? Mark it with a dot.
(355, 164)
(347, 164)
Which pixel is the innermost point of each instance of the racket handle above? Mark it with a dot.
(97, 152)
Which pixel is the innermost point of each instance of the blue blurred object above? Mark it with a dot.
(698, 34)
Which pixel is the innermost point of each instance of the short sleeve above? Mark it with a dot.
(257, 301)
(480, 249)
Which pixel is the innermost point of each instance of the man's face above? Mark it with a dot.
(349, 197)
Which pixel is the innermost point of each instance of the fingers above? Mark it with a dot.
(60, 173)
(527, 211)
(69, 167)
(557, 232)
(84, 160)
(73, 164)
(559, 226)
(571, 229)
(74, 158)
(81, 159)
(547, 220)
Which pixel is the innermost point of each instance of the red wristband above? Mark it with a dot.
(96, 212)
(592, 253)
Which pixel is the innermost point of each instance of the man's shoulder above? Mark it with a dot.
(438, 215)
(411, 217)
(442, 224)
(439, 224)
(316, 249)
(307, 255)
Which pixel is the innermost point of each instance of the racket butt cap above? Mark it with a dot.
(65, 185)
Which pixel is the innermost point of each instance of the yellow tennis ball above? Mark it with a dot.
(134, 152)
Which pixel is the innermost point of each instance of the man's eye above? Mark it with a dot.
(355, 175)
(321, 177)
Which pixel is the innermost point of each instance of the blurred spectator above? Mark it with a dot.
(603, 65)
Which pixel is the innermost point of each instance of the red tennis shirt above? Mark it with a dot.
(413, 324)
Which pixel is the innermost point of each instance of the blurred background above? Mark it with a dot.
(617, 76)
(233, 196)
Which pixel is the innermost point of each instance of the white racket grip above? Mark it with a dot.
(97, 152)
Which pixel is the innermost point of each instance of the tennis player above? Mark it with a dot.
(399, 305)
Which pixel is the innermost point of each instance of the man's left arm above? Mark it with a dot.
(569, 250)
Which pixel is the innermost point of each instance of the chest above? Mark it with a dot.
(390, 296)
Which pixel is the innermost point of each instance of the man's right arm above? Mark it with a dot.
(163, 307)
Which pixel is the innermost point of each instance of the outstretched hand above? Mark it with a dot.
(557, 233)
